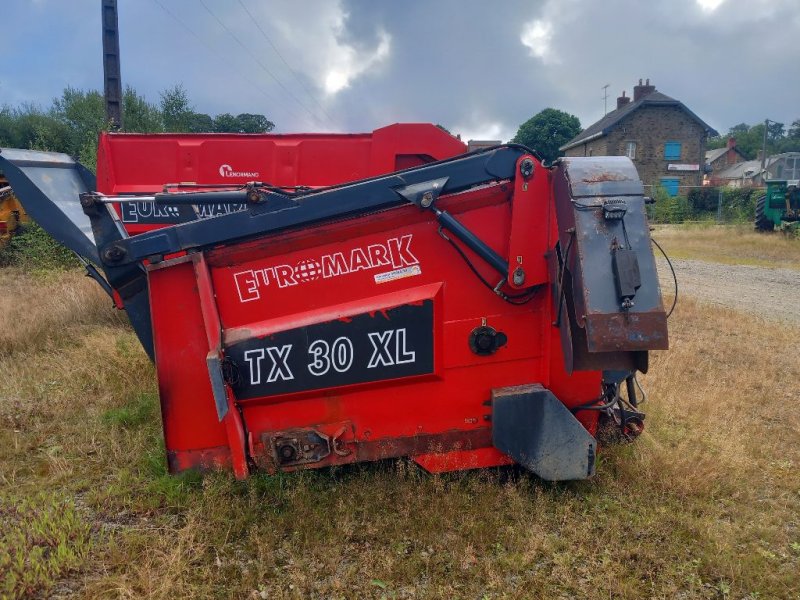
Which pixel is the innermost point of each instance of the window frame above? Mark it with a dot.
(673, 156)
(669, 188)
(628, 146)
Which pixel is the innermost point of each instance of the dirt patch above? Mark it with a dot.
(771, 293)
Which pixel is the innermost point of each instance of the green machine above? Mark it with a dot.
(779, 207)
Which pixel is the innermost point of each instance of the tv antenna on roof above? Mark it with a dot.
(605, 98)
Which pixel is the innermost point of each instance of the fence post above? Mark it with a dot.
(719, 205)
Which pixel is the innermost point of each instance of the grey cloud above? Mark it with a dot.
(458, 63)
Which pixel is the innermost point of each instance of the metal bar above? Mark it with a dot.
(471, 241)
(278, 214)
(193, 198)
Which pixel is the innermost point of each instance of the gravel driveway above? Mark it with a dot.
(771, 293)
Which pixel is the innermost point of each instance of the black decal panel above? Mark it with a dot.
(386, 344)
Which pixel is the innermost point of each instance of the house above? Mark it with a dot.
(749, 173)
(665, 140)
(721, 158)
(746, 173)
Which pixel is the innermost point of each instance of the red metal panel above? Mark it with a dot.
(143, 163)
(529, 239)
(440, 418)
(129, 163)
(187, 405)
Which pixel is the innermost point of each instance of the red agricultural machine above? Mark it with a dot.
(314, 300)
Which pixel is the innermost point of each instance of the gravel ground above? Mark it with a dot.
(771, 293)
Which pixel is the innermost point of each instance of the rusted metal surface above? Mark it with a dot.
(347, 451)
(600, 212)
(207, 459)
(627, 331)
(602, 176)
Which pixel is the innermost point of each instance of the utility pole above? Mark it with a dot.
(764, 150)
(605, 98)
(111, 71)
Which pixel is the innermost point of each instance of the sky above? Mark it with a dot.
(479, 68)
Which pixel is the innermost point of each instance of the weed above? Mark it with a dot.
(42, 538)
(33, 249)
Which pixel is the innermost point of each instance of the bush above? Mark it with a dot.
(32, 248)
(668, 209)
(738, 205)
(703, 199)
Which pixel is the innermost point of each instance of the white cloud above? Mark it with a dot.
(346, 64)
(709, 6)
(486, 130)
(537, 35)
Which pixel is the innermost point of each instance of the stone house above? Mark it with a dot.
(664, 139)
(721, 158)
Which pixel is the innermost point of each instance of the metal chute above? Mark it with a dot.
(48, 185)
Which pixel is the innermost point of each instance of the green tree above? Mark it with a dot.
(176, 111)
(794, 130)
(750, 139)
(84, 116)
(226, 123)
(547, 131)
(251, 123)
(138, 115)
(201, 123)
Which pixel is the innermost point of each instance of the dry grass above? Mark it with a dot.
(730, 244)
(706, 504)
(34, 316)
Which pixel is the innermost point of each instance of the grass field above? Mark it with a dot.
(730, 244)
(706, 504)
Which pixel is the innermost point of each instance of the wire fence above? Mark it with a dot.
(703, 203)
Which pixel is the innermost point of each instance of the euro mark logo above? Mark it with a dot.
(395, 253)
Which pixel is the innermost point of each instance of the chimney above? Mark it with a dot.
(622, 100)
(730, 156)
(640, 91)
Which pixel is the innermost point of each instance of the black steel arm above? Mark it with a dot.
(278, 213)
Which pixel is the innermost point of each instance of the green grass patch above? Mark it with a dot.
(42, 538)
(135, 414)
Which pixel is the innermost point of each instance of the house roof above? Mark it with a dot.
(745, 169)
(605, 125)
(712, 155)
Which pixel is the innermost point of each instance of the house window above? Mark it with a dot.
(672, 151)
(630, 150)
(671, 185)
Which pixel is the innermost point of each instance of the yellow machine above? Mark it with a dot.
(11, 212)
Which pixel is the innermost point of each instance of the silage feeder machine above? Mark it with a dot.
(318, 300)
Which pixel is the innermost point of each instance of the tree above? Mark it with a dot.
(200, 123)
(547, 131)
(176, 111)
(794, 130)
(250, 123)
(138, 115)
(226, 123)
(242, 123)
(750, 139)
